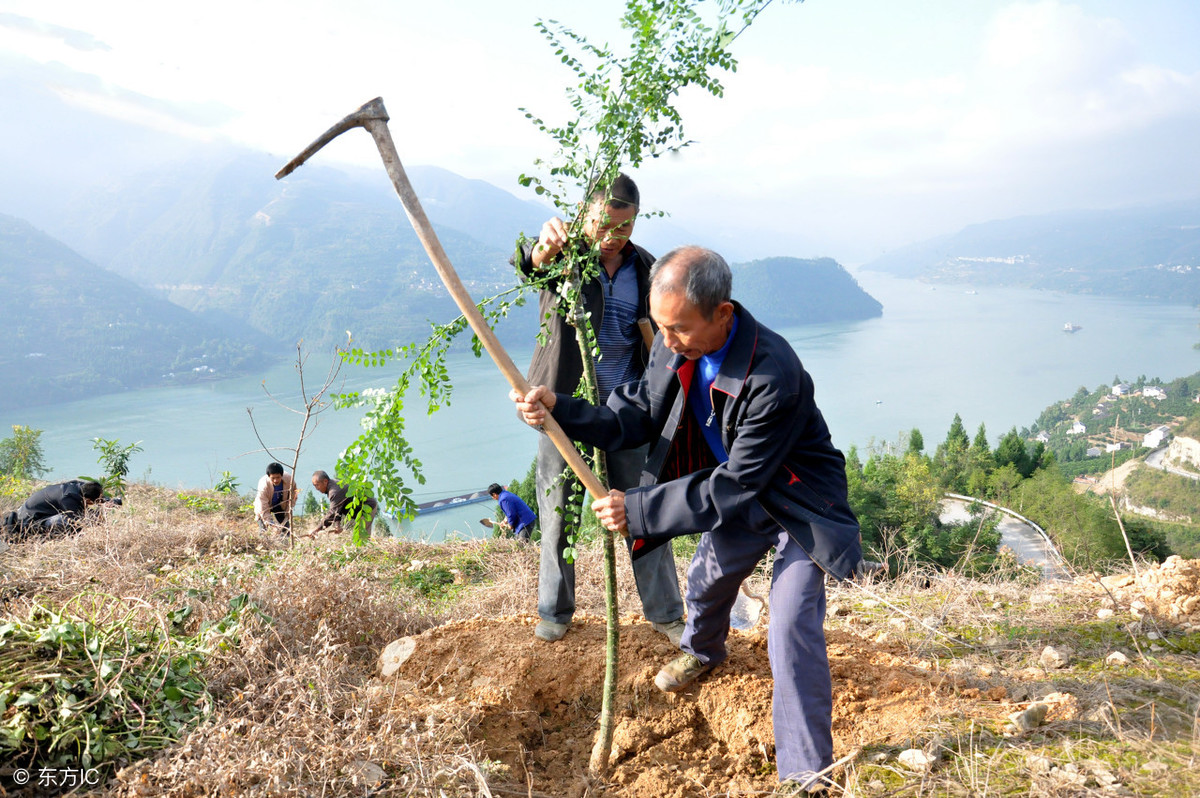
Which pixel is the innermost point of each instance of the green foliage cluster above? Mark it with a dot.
(227, 484)
(440, 581)
(897, 499)
(1163, 491)
(1082, 525)
(1190, 428)
(1099, 463)
(115, 459)
(312, 505)
(13, 490)
(1181, 539)
(21, 455)
(80, 691)
(199, 503)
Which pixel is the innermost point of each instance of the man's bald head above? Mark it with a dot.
(699, 275)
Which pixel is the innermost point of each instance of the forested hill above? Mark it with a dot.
(310, 257)
(74, 329)
(1148, 252)
(783, 292)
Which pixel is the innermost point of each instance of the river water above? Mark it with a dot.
(996, 356)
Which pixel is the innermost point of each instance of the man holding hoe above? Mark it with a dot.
(615, 299)
(740, 453)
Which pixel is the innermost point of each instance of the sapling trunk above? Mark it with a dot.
(598, 764)
(604, 735)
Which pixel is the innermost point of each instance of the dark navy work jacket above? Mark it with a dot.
(780, 451)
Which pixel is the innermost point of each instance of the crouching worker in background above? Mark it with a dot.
(53, 511)
(517, 514)
(340, 514)
(275, 499)
(740, 453)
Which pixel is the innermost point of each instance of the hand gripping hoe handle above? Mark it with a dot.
(374, 118)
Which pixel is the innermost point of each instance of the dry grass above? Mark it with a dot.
(1112, 729)
(298, 709)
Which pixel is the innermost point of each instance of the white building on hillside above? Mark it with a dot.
(1120, 389)
(1077, 429)
(1156, 437)
(1154, 392)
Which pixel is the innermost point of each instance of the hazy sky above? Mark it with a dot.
(851, 126)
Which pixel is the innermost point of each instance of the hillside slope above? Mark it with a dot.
(1147, 252)
(77, 330)
(941, 684)
(783, 292)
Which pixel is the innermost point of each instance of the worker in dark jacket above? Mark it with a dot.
(55, 509)
(340, 505)
(616, 300)
(739, 452)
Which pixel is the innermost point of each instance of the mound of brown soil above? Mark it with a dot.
(534, 706)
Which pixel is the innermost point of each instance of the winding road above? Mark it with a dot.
(1155, 460)
(1028, 541)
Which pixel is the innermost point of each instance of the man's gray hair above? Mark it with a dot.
(320, 476)
(700, 275)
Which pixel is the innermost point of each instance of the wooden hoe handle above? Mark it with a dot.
(374, 118)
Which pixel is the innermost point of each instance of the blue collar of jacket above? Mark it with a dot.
(731, 377)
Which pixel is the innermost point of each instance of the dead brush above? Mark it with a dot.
(124, 554)
(313, 723)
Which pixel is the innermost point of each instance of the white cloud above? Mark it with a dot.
(861, 114)
(1040, 99)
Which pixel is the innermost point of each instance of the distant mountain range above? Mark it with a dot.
(1149, 252)
(105, 227)
(74, 329)
(326, 252)
(296, 268)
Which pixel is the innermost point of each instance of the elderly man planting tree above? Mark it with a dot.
(740, 453)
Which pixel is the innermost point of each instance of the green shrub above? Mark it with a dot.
(21, 455)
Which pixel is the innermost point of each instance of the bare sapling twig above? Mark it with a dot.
(1124, 535)
(312, 405)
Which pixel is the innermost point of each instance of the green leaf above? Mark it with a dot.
(26, 698)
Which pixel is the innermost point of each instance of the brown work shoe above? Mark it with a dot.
(672, 629)
(796, 789)
(680, 672)
(550, 631)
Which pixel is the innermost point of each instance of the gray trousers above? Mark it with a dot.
(657, 582)
(802, 704)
